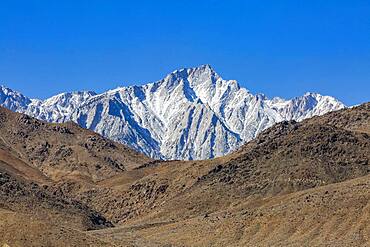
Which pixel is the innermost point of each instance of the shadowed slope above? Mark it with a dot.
(60, 150)
(35, 154)
(331, 215)
(296, 184)
(286, 158)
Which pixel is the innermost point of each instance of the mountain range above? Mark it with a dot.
(190, 114)
(301, 183)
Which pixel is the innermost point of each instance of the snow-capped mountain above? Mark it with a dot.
(13, 100)
(59, 107)
(190, 114)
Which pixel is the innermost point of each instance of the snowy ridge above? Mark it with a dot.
(190, 114)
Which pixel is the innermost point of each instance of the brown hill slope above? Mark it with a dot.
(331, 215)
(33, 156)
(60, 150)
(355, 119)
(17, 229)
(286, 158)
(31, 216)
(287, 168)
(297, 184)
(21, 196)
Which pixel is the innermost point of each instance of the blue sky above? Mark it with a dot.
(280, 48)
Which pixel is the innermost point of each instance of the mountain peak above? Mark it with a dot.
(195, 77)
(204, 69)
(311, 94)
(201, 68)
(8, 91)
(13, 100)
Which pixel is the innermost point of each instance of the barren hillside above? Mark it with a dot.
(297, 184)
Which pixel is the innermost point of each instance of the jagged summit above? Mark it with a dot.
(13, 100)
(201, 76)
(190, 114)
(204, 68)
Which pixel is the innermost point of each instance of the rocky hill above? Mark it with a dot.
(60, 150)
(296, 184)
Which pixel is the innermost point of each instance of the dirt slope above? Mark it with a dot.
(64, 150)
(286, 158)
(296, 184)
(331, 215)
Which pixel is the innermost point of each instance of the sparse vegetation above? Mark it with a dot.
(296, 184)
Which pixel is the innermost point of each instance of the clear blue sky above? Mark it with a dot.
(280, 47)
